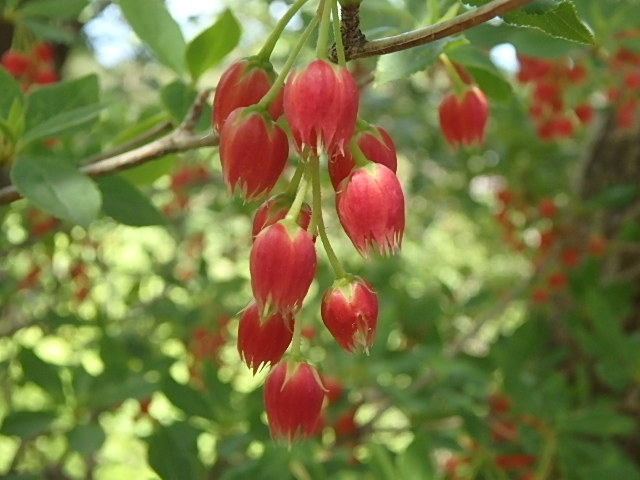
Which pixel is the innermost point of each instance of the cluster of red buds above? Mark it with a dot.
(180, 182)
(319, 103)
(554, 239)
(33, 67)
(39, 223)
(550, 108)
(509, 456)
(625, 95)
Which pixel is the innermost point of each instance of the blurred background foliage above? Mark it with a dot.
(508, 333)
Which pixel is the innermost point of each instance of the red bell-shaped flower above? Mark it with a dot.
(321, 105)
(370, 206)
(253, 152)
(276, 208)
(377, 146)
(263, 340)
(244, 83)
(293, 396)
(463, 120)
(350, 311)
(282, 265)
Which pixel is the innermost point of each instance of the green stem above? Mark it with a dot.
(295, 180)
(322, 46)
(279, 81)
(296, 206)
(458, 85)
(296, 340)
(318, 221)
(269, 45)
(356, 153)
(342, 60)
(546, 458)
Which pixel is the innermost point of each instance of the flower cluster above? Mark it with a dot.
(552, 112)
(33, 67)
(319, 103)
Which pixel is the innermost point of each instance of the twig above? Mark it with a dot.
(143, 138)
(432, 33)
(181, 139)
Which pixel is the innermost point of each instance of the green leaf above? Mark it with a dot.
(381, 463)
(106, 391)
(43, 28)
(186, 398)
(212, 45)
(597, 421)
(615, 197)
(41, 373)
(561, 21)
(57, 187)
(86, 439)
(60, 9)
(407, 62)
(60, 103)
(177, 97)
(25, 476)
(483, 71)
(66, 122)
(27, 424)
(414, 463)
(155, 26)
(126, 204)
(148, 172)
(10, 93)
(172, 454)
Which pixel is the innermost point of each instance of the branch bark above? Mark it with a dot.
(431, 33)
(181, 139)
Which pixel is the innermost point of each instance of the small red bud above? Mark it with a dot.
(584, 112)
(377, 146)
(263, 341)
(547, 208)
(321, 105)
(253, 153)
(275, 209)
(15, 63)
(350, 312)
(570, 256)
(540, 295)
(282, 265)
(370, 206)
(558, 280)
(44, 52)
(293, 396)
(243, 84)
(463, 121)
(45, 77)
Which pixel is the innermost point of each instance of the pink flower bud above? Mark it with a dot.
(243, 84)
(463, 120)
(350, 311)
(293, 396)
(263, 341)
(321, 104)
(253, 152)
(370, 206)
(282, 265)
(276, 208)
(377, 147)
